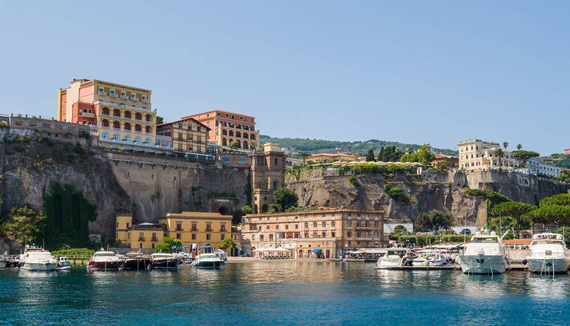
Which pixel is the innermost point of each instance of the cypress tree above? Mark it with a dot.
(381, 154)
(370, 156)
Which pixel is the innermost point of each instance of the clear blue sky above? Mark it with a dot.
(409, 71)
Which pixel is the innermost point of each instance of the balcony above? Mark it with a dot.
(141, 239)
(124, 143)
(154, 240)
(124, 97)
(144, 100)
(134, 98)
(113, 95)
(102, 93)
(194, 230)
(209, 230)
(87, 114)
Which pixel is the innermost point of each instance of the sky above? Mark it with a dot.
(435, 72)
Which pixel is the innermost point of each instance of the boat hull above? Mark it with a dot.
(39, 266)
(388, 263)
(101, 266)
(548, 265)
(3, 263)
(136, 264)
(164, 264)
(483, 265)
(209, 264)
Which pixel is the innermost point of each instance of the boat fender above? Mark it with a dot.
(524, 261)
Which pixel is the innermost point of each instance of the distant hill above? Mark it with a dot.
(329, 146)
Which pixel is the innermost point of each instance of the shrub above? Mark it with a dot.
(354, 181)
(393, 191)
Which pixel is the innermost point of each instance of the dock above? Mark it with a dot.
(512, 267)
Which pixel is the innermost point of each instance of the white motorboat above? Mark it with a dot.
(104, 260)
(392, 258)
(208, 261)
(63, 263)
(37, 259)
(548, 254)
(161, 260)
(485, 254)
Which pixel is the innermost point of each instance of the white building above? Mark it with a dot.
(476, 154)
(535, 166)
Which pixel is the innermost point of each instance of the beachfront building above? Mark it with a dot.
(333, 157)
(138, 236)
(187, 134)
(475, 155)
(120, 115)
(536, 167)
(228, 127)
(324, 232)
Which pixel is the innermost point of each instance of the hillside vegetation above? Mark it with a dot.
(330, 146)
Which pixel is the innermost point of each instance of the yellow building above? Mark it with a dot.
(198, 228)
(188, 134)
(139, 236)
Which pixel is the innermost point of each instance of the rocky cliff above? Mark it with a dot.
(422, 193)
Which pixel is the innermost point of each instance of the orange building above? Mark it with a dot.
(227, 127)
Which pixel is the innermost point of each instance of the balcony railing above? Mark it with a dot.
(121, 142)
(87, 114)
(154, 240)
(141, 238)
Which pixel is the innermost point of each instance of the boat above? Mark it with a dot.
(136, 261)
(208, 261)
(37, 259)
(104, 260)
(548, 254)
(393, 258)
(63, 263)
(163, 261)
(485, 254)
(222, 255)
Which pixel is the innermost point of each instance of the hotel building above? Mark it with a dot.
(141, 236)
(326, 230)
(121, 115)
(227, 127)
(188, 134)
(536, 167)
(475, 155)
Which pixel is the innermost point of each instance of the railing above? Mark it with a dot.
(141, 239)
(154, 240)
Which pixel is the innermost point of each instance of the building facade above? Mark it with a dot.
(536, 167)
(268, 175)
(198, 228)
(324, 231)
(138, 236)
(452, 162)
(123, 114)
(187, 134)
(228, 127)
(477, 155)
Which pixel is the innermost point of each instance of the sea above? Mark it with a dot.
(282, 293)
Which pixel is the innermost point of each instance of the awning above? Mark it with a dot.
(317, 250)
(206, 247)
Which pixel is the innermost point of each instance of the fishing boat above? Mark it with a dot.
(485, 254)
(37, 259)
(211, 261)
(63, 263)
(163, 261)
(136, 261)
(393, 258)
(548, 254)
(104, 260)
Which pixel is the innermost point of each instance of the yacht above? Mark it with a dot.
(485, 254)
(393, 258)
(548, 254)
(37, 259)
(163, 261)
(208, 261)
(63, 263)
(104, 260)
(136, 261)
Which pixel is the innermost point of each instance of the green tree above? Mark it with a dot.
(228, 243)
(422, 156)
(370, 156)
(394, 192)
(516, 210)
(304, 156)
(523, 155)
(168, 245)
(381, 155)
(499, 153)
(441, 166)
(433, 221)
(274, 208)
(519, 147)
(24, 224)
(159, 119)
(234, 145)
(505, 145)
(285, 198)
(247, 209)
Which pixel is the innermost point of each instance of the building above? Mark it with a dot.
(475, 155)
(332, 157)
(268, 175)
(291, 161)
(139, 236)
(122, 114)
(228, 127)
(451, 161)
(536, 167)
(187, 134)
(198, 228)
(327, 231)
(567, 151)
(47, 127)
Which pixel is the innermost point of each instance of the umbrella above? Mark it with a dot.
(316, 250)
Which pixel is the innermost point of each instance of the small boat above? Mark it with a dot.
(63, 263)
(208, 261)
(222, 255)
(548, 254)
(37, 259)
(104, 260)
(163, 261)
(485, 254)
(392, 258)
(136, 261)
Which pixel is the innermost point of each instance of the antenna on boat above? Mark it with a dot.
(505, 234)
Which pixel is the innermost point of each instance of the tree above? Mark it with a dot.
(285, 198)
(247, 209)
(381, 155)
(441, 166)
(519, 147)
(24, 224)
(433, 221)
(159, 119)
(370, 156)
(505, 145)
(168, 245)
(274, 208)
(516, 210)
(499, 154)
(234, 145)
(523, 155)
(228, 243)
(304, 156)
(422, 156)
(409, 150)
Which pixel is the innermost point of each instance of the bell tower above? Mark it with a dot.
(268, 175)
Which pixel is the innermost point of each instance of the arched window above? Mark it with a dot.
(128, 126)
(137, 140)
(105, 123)
(116, 125)
(147, 141)
(245, 144)
(116, 113)
(138, 116)
(105, 111)
(275, 184)
(238, 134)
(127, 138)
(224, 142)
(252, 137)
(238, 143)
(148, 117)
(245, 135)
(128, 115)
(231, 132)
(116, 137)
(148, 130)
(105, 135)
(138, 128)
(224, 132)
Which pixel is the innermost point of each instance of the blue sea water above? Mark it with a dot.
(283, 293)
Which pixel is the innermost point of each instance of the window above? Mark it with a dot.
(222, 236)
(332, 224)
(349, 223)
(306, 224)
(101, 90)
(178, 226)
(314, 224)
(223, 227)
(324, 224)
(333, 234)
(358, 223)
(208, 236)
(208, 226)
(349, 234)
(324, 234)
(178, 236)
(271, 237)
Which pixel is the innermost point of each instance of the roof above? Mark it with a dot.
(84, 81)
(440, 156)
(182, 119)
(320, 210)
(198, 215)
(518, 241)
(224, 111)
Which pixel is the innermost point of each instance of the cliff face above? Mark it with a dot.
(441, 191)
(146, 187)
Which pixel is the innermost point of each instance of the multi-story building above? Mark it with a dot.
(198, 228)
(477, 155)
(188, 134)
(139, 236)
(535, 166)
(123, 114)
(451, 161)
(228, 127)
(268, 175)
(567, 151)
(326, 230)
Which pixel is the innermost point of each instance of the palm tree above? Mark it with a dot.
(505, 145)
(519, 146)
(499, 153)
